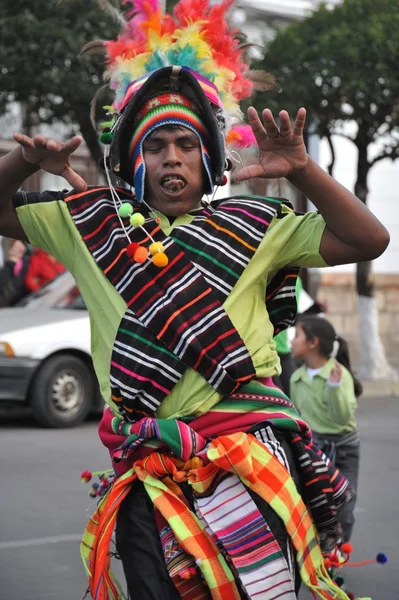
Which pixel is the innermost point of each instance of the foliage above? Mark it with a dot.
(40, 43)
(341, 64)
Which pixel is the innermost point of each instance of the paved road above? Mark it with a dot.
(43, 506)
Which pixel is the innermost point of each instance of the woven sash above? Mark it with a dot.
(174, 317)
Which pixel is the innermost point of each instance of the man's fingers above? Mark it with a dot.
(40, 141)
(256, 125)
(269, 123)
(73, 144)
(285, 123)
(23, 140)
(299, 124)
(249, 172)
(75, 180)
(54, 146)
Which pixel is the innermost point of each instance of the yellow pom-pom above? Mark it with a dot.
(156, 247)
(160, 259)
(136, 220)
(141, 254)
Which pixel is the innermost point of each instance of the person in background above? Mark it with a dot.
(12, 274)
(324, 391)
(42, 269)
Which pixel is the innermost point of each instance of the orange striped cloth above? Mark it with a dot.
(256, 467)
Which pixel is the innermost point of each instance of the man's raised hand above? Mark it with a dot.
(282, 151)
(52, 156)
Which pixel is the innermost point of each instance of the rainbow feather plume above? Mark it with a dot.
(196, 36)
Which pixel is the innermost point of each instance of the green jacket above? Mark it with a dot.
(326, 408)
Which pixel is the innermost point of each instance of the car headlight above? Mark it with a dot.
(6, 350)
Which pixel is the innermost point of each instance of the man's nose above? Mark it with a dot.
(172, 154)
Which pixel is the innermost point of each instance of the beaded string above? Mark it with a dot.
(136, 251)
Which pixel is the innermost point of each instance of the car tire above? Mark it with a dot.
(62, 392)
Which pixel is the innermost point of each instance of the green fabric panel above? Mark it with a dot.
(290, 240)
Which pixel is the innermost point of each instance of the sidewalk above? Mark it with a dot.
(380, 389)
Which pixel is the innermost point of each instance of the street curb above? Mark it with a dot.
(380, 389)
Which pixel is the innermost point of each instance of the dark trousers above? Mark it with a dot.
(346, 458)
(139, 546)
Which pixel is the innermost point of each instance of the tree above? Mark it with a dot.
(341, 64)
(40, 43)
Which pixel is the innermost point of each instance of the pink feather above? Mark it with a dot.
(241, 136)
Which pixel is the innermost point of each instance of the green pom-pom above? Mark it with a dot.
(339, 580)
(125, 210)
(106, 137)
(136, 220)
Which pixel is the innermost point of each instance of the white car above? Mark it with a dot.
(45, 359)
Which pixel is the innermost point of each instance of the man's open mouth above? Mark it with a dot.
(173, 183)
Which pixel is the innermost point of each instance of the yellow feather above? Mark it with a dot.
(192, 37)
(159, 42)
(136, 66)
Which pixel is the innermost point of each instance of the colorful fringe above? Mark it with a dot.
(256, 467)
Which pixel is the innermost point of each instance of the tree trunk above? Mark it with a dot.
(374, 363)
(89, 135)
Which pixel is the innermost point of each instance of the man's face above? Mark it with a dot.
(174, 180)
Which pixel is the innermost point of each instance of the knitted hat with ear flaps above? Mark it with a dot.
(192, 51)
(175, 80)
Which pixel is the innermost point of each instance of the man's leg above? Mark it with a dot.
(139, 546)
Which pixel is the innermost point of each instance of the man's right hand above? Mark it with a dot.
(52, 156)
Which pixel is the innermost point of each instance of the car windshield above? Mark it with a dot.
(61, 292)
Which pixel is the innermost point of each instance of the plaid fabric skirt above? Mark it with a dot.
(139, 545)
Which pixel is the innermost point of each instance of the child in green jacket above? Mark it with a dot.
(324, 392)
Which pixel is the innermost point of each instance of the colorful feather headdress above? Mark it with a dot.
(195, 36)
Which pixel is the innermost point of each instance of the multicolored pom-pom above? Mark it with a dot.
(156, 247)
(160, 260)
(86, 476)
(137, 220)
(141, 254)
(339, 580)
(106, 137)
(381, 558)
(131, 249)
(100, 488)
(347, 548)
(125, 210)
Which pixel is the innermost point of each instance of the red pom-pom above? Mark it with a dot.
(224, 180)
(131, 249)
(86, 476)
(347, 548)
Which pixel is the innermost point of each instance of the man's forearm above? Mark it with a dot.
(345, 215)
(14, 169)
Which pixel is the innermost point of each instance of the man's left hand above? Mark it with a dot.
(282, 151)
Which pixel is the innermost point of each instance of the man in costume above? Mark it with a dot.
(217, 490)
